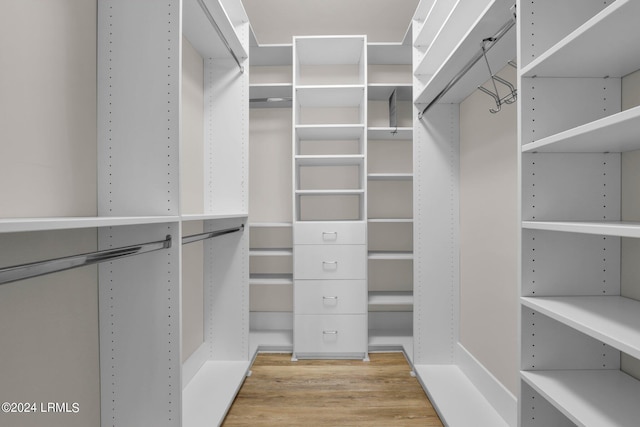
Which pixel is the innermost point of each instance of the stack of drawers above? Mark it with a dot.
(330, 290)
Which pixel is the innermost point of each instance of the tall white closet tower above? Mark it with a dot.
(329, 197)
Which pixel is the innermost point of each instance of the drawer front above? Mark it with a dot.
(339, 334)
(330, 262)
(330, 297)
(330, 233)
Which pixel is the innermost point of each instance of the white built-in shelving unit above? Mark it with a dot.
(390, 199)
(447, 36)
(329, 196)
(576, 323)
(385, 161)
(271, 228)
(167, 154)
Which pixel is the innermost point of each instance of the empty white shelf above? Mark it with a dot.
(390, 298)
(205, 217)
(615, 133)
(270, 224)
(389, 133)
(271, 252)
(390, 176)
(330, 132)
(454, 396)
(606, 45)
(602, 228)
(391, 220)
(271, 279)
(13, 225)
(333, 160)
(329, 192)
(592, 398)
(613, 320)
(391, 255)
(330, 96)
(209, 395)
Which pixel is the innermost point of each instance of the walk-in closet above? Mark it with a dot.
(449, 187)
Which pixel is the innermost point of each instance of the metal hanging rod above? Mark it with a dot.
(488, 43)
(205, 9)
(271, 99)
(209, 235)
(40, 268)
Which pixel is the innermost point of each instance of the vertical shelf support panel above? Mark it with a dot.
(138, 107)
(226, 293)
(436, 261)
(139, 311)
(138, 131)
(226, 135)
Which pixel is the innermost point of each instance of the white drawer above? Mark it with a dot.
(315, 335)
(330, 233)
(330, 262)
(330, 297)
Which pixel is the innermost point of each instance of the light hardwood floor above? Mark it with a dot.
(331, 393)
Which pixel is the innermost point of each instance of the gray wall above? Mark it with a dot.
(489, 234)
(49, 325)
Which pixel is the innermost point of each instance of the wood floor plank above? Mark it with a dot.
(331, 393)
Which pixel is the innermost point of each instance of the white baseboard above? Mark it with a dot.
(496, 394)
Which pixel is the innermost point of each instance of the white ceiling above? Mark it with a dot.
(276, 21)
